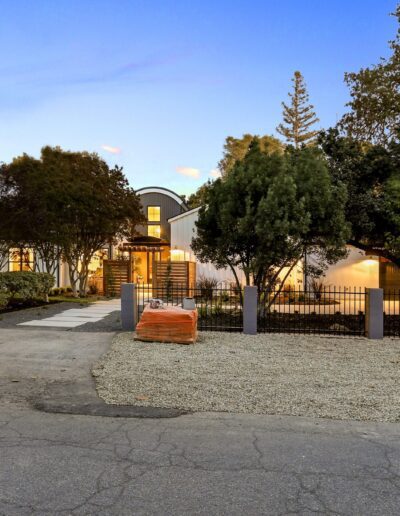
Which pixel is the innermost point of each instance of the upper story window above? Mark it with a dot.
(154, 230)
(153, 213)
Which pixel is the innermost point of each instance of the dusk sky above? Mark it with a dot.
(157, 86)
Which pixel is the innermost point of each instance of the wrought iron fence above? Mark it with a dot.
(339, 311)
(219, 309)
(391, 313)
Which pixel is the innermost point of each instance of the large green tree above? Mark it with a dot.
(299, 117)
(374, 114)
(69, 204)
(236, 148)
(371, 174)
(31, 206)
(268, 211)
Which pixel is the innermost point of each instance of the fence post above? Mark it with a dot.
(374, 313)
(128, 306)
(250, 311)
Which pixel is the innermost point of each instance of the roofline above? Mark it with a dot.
(162, 190)
(181, 215)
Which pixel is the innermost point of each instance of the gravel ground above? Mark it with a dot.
(330, 377)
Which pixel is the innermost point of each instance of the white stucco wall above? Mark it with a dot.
(183, 229)
(357, 270)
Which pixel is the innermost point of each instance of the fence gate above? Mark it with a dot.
(115, 272)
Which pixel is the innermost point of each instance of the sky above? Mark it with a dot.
(156, 86)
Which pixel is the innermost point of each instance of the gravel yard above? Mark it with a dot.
(331, 377)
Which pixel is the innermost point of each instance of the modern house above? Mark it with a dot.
(166, 239)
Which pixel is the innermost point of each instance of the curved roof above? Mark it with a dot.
(162, 190)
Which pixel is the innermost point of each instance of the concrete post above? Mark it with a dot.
(129, 308)
(250, 311)
(374, 313)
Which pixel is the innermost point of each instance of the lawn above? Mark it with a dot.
(300, 375)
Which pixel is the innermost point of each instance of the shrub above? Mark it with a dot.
(25, 285)
(318, 288)
(93, 290)
(206, 286)
(54, 292)
(4, 299)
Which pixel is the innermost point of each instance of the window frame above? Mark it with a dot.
(159, 213)
(154, 226)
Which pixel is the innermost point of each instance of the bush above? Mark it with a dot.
(206, 286)
(54, 292)
(25, 285)
(93, 290)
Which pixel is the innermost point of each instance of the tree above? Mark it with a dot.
(31, 208)
(268, 211)
(375, 99)
(236, 148)
(197, 199)
(98, 208)
(66, 204)
(371, 174)
(299, 117)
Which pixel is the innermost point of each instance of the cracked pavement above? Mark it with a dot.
(204, 463)
(195, 464)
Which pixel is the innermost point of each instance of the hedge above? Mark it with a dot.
(24, 285)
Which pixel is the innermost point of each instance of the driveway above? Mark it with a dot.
(33, 360)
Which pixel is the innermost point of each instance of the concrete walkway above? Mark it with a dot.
(74, 317)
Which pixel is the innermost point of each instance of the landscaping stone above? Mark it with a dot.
(302, 375)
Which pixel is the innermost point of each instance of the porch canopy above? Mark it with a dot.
(144, 243)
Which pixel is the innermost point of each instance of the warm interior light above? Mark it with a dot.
(177, 255)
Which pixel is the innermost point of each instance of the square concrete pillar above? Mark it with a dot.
(374, 313)
(250, 311)
(129, 307)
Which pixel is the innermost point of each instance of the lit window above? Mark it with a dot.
(21, 260)
(154, 231)
(153, 213)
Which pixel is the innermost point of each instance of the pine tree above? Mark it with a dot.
(299, 117)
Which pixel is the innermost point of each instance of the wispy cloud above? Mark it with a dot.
(189, 172)
(112, 150)
(215, 173)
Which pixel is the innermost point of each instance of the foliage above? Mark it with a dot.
(235, 149)
(375, 99)
(299, 117)
(25, 284)
(68, 204)
(371, 174)
(196, 199)
(31, 194)
(267, 211)
(206, 286)
(318, 288)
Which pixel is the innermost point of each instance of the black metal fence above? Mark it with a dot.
(391, 313)
(219, 309)
(339, 311)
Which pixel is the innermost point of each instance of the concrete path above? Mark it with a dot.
(74, 317)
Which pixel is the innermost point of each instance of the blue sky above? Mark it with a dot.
(161, 84)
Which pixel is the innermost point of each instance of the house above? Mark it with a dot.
(167, 236)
